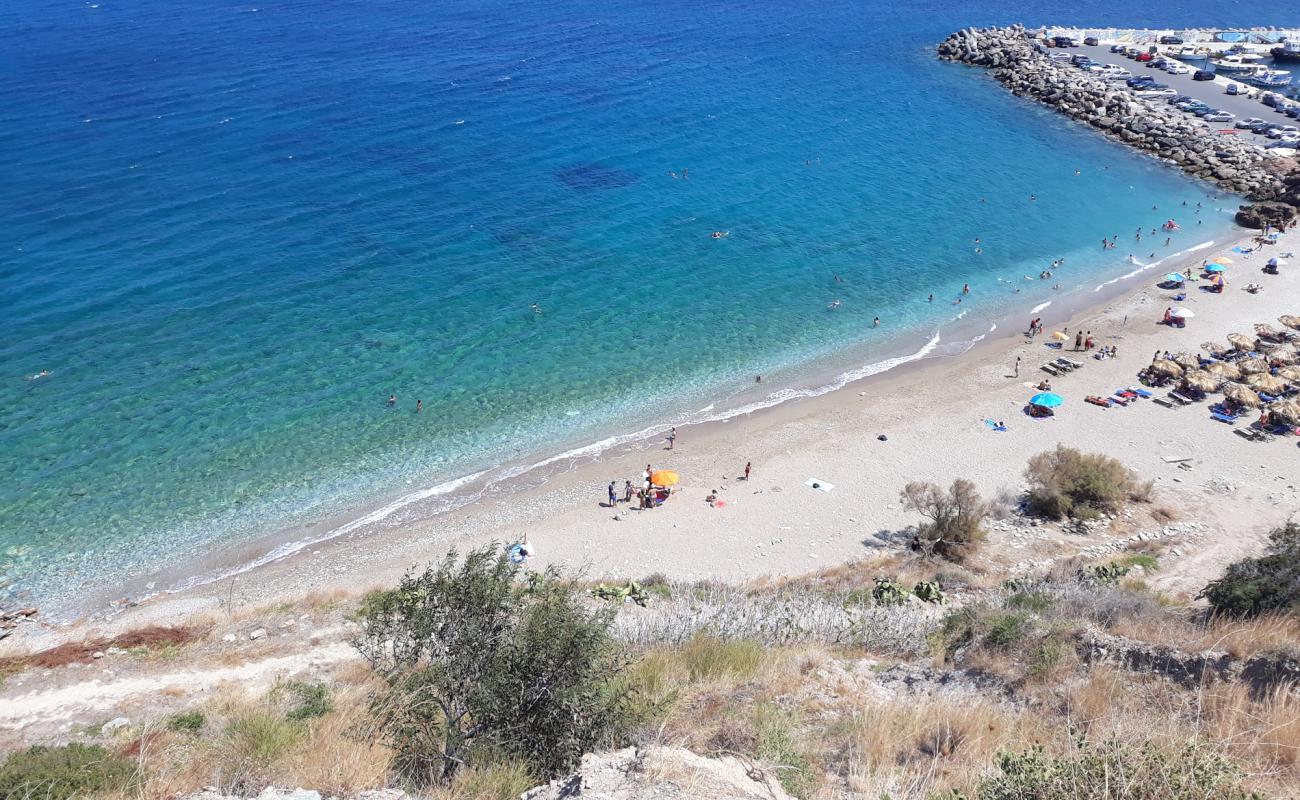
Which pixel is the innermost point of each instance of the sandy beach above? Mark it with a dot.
(931, 415)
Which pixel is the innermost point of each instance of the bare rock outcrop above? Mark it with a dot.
(662, 773)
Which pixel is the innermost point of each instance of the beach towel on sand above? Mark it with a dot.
(994, 425)
(819, 485)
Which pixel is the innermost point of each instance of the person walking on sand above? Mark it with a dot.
(1016, 374)
(672, 438)
(627, 491)
(613, 495)
(1078, 340)
(749, 465)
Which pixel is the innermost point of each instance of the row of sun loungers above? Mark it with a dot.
(1061, 366)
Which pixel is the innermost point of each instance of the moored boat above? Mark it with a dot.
(1267, 78)
(1289, 51)
(1237, 62)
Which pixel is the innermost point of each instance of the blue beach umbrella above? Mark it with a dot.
(1176, 277)
(1215, 268)
(1046, 399)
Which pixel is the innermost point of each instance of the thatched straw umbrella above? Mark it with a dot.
(1266, 330)
(1249, 366)
(1241, 395)
(1201, 381)
(1241, 342)
(1289, 374)
(1186, 361)
(1290, 321)
(1263, 382)
(1166, 368)
(1284, 355)
(1214, 348)
(1224, 370)
(1288, 410)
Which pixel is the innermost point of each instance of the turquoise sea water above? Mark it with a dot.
(232, 229)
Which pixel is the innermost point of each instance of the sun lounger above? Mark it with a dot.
(1141, 392)
(1187, 401)
(1063, 365)
(1267, 398)
(1051, 370)
(1245, 434)
(1097, 401)
(1075, 364)
(1223, 418)
(1160, 401)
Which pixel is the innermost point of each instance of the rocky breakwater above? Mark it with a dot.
(1018, 61)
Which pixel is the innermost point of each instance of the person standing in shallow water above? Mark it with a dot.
(419, 406)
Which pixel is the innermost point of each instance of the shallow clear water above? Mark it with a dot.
(232, 230)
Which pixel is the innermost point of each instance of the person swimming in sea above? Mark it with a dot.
(720, 234)
(392, 400)
(45, 373)
(834, 305)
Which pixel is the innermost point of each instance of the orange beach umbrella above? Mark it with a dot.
(1221, 260)
(664, 477)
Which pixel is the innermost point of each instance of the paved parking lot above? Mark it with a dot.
(1212, 93)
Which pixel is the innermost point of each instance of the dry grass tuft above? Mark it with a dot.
(151, 638)
(1239, 638)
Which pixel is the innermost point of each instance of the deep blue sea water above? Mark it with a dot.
(230, 230)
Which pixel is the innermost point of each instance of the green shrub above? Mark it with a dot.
(1068, 483)
(1004, 630)
(1146, 561)
(956, 518)
(958, 629)
(187, 722)
(929, 592)
(491, 780)
(475, 657)
(1101, 574)
(889, 592)
(64, 772)
(310, 699)
(708, 657)
(1254, 586)
(258, 739)
(1114, 770)
(1029, 601)
(777, 744)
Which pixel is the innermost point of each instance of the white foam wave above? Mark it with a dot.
(1143, 267)
(1040, 307)
(290, 548)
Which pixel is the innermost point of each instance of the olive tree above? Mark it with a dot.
(477, 657)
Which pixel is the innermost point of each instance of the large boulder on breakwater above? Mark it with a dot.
(1275, 213)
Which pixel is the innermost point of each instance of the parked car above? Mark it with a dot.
(1220, 116)
(1156, 94)
(1249, 122)
(1179, 98)
(1091, 41)
(1269, 99)
(1117, 48)
(1170, 40)
(1285, 130)
(1241, 90)
(1174, 68)
(1064, 41)
(1144, 57)
(1293, 112)
(1262, 128)
(1205, 112)
(1157, 63)
(1139, 80)
(1202, 75)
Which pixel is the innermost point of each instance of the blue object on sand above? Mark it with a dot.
(1046, 400)
(1214, 268)
(994, 425)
